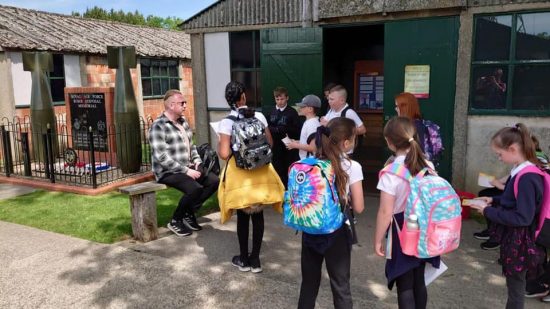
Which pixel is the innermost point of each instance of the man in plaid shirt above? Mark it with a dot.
(176, 163)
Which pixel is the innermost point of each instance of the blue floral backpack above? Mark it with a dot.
(438, 209)
(433, 144)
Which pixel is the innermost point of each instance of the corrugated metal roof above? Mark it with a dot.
(235, 13)
(34, 30)
(500, 2)
(231, 13)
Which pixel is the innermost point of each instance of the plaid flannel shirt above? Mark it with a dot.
(170, 154)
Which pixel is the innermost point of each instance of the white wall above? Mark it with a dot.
(72, 70)
(218, 74)
(21, 80)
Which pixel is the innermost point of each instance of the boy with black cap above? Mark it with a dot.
(308, 108)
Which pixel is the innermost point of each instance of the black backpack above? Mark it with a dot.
(249, 142)
(209, 157)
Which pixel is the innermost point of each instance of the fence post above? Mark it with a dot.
(92, 157)
(26, 155)
(49, 153)
(6, 143)
(46, 157)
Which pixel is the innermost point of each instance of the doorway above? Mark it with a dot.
(354, 58)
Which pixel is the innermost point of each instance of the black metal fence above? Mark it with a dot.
(80, 156)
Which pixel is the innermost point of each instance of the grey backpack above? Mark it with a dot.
(249, 142)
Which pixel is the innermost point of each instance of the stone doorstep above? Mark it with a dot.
(46, 185)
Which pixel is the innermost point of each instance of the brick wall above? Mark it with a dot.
(98, 74)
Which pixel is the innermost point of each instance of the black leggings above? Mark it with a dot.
(257, 233)
(411, 289)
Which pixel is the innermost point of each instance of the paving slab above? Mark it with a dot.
(49, 270)
(9, 190)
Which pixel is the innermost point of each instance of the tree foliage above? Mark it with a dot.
(135, 18)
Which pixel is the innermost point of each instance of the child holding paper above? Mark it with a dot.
(283, 122)
(516, 214)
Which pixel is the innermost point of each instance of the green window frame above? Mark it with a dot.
(244, 55)
(56, 79)
(500, 79)
(158, 76)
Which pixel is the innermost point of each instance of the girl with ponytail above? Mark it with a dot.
(333, 142)
(515, 215)
(246, 192)
(404, 270)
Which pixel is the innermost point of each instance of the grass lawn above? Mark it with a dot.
(105, 218)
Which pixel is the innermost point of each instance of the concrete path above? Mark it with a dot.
(48, 270)
(10, 190)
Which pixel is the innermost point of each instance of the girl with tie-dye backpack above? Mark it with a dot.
(319, 189)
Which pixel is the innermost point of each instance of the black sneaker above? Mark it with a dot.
(242, 265)
(489, 245)
(483, 235)
(179, 228)
(191, 222)
(255, 265)
(536, 290)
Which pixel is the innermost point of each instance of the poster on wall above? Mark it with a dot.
(417, 80)
(371, 91)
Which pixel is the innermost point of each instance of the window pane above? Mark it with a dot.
(533, 36)
(146, 85)
(156, 87)
(164, 85)
(531, 90)
(173, 71)
(58, 70)
(163, 71)
(146, 62)
(489, 87)
(57, 86)
(154, 71)
(249, 82)
(145, 70)
(240, 45)
(174, 83)
(492, 38)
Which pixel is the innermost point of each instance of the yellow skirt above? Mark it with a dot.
(240, 189)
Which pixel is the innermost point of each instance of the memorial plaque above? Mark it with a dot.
(88, 110)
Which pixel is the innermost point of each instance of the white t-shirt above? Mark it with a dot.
(354, 171)
(309, 127)
(396, 186)
(227, 124)
(351, 114)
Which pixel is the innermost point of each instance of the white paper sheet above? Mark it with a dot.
(286, 140)
(431, 273)
(484, 180)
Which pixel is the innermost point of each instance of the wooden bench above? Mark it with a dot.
(143, 206)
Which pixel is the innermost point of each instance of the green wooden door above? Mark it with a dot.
(431, 42)
(291, 58)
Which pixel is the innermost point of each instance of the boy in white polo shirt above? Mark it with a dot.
(340, 108)
(308, 107)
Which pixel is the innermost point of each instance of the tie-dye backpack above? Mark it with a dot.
(311, 202)
(438, 209)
